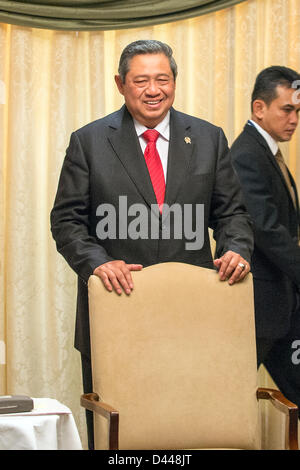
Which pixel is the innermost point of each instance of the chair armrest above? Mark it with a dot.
(289, 409)
(91, 402)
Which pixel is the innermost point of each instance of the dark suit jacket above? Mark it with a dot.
(104, 160)
(276, 256)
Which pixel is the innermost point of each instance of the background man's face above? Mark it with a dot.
(149, 88)
(280, 117)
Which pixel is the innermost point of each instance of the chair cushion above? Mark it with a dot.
(177, 359)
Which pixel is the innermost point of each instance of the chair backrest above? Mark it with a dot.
(177, 359)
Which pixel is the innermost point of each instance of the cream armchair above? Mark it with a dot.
(174, 363)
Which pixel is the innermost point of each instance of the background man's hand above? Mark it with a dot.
(116, 275)
(230, 266)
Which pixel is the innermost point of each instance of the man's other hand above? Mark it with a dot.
(232, 266)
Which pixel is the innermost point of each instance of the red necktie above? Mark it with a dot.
(154, 166)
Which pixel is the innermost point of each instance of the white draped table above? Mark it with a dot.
(49, 426)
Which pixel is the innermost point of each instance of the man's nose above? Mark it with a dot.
(152, 88)
(294, 118)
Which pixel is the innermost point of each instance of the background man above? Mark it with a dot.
(105, 160)
(271, 198)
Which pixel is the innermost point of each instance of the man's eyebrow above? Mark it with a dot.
(147, 76)
(289, 106)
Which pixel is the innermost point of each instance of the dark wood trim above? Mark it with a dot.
(91, 402)
(289, 409)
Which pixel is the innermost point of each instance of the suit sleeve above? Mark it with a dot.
(70, 216)
(228, 216)
(272, 238)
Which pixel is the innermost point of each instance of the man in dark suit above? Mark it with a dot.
(108, 217)
(271, 199)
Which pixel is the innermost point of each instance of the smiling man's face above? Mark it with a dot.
(149, 88)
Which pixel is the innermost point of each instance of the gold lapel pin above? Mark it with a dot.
(187, 140)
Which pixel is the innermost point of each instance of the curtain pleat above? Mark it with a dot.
(80, 15)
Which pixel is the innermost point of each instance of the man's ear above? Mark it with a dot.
(120, 84)
(258, 108)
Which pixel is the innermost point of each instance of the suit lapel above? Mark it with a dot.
(180, 150)
(294, 189)
(253, 131)
(124, 140)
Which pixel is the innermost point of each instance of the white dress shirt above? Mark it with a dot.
(162, 143)
(270, 141)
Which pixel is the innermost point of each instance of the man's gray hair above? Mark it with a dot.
(146, 46)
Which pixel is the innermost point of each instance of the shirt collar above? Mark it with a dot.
(163, 127)
(270, 141)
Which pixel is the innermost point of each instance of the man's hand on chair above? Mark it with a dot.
(116, 275)
(232, 266)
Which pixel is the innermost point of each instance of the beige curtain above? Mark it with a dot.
(52, 82)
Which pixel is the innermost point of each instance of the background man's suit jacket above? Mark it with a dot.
(276, 256)
(104, 160)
